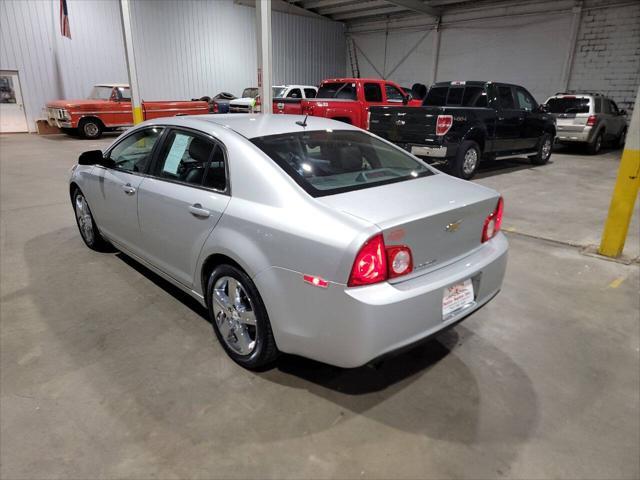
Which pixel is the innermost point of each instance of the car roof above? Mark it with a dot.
(252, 125)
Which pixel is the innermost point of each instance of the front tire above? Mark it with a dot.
(90, 128)
(467, 159)
(87, 225)
(240, 318)
(544, 150)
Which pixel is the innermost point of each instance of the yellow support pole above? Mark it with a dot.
(625, 192)
(127, 26)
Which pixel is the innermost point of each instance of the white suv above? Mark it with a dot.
(252, 104)
(588, 118)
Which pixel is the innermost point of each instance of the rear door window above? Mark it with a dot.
(505, 98)
(474, 96)
(372, 92)
(309, 93)
(192, 159)
(294, 93)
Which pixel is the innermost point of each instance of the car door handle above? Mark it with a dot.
(521, 118)
(128, 189)
(197, 211)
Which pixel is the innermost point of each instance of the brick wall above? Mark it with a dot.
(607, 55)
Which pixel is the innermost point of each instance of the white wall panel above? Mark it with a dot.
(51, 66)
(528, 51)
(187, 49)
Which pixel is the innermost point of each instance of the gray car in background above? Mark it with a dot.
(300, 235)
(588, 118)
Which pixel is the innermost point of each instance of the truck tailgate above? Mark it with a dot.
(404, 124)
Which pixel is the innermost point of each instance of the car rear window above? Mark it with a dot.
(326, 162)
(568, 105)
(341, 90)
(469, 96)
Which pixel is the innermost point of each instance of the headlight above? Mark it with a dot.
(65, 114)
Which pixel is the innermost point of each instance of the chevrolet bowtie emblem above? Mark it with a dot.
(453, 227)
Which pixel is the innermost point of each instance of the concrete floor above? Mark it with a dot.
(107, 371)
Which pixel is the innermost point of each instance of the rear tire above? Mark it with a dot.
(595, 145)
(240, 318)
(467, 159)
(90, 128)
(545, 148)
(622, 138)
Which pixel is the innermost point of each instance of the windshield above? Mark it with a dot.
(568, 105)
(278, 92)
(345, 91)
(327, 162)
(100, 93)
(250, 92)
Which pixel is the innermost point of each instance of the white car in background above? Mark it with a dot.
(251, 103)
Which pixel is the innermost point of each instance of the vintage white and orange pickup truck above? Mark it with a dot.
(109, 108)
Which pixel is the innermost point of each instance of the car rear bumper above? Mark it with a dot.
(424, 151)
(566, 135)
(350, 327)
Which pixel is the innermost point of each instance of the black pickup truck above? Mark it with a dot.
(464, 122)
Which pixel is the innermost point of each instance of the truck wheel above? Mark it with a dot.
(465, 163)
(595, 145)
(544, 150)
(90, 128)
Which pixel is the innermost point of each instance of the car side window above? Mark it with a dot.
(372, 92)
(505, 98)
(133, 154)
(525, 100)
(124, 93)
(393, 94)
(294, 93)
(309, 93)
(190, 158)
(614, 107)
(598, 105)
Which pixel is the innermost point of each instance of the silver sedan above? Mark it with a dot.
(300, 235)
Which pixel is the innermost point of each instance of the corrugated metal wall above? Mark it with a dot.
(51, 66)
(184, 49)
(192, 48)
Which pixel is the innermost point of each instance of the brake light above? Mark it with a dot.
(215, 108)
(376, 263)
(591, 121)
(370, 265)
(443, 124)
(493, 222)
(400, 260)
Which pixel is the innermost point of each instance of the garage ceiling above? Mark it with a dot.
(359, 11)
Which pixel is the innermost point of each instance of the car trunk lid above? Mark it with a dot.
(440, 218)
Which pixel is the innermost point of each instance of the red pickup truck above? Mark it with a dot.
(349, 99)
(108, 108)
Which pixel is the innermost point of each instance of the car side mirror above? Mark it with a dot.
(407, 99)
(623, 112)
(543, 108)
(95, 157)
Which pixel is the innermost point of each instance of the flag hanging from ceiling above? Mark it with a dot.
(64, 20)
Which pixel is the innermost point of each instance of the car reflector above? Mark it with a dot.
(315, 281)
(400, 260)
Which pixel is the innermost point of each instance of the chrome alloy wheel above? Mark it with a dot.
(91, 129)
(470, 161)
(84, 218)
(234, 315)
(546, 148)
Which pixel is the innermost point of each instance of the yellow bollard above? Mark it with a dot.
(137, 115)
(625, 192)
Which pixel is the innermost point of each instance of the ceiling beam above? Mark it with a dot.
(353, 7)
(368, 13)
(417, 6)
(313, 4)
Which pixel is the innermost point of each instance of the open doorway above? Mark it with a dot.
(12, 115)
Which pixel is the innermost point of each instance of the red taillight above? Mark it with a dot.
(215, 108)
(400, 260)
(443, 124)
(376, 263)
(370, 265)
(591, 121)
(493, 222)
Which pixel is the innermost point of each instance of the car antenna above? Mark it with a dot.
(303, 123)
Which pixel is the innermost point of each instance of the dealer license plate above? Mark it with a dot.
(456, 297)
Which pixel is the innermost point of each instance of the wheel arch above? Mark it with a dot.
(478, 135)
(91, 117)
(73, 186)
